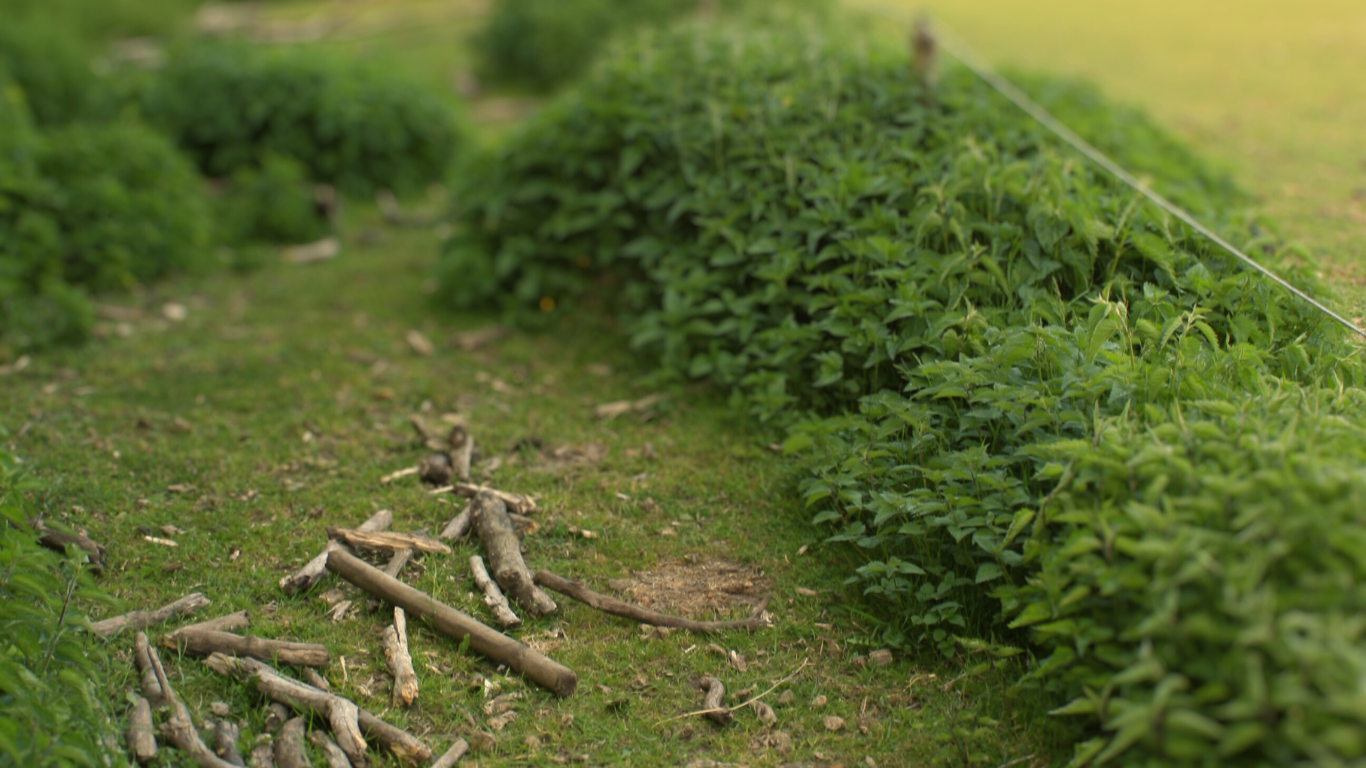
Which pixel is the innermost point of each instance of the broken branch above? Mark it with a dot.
(179, 730)
(332, 753)
(493, 596)
(289, 746)
(394, 640)
(150, 687)
(229, 623)
(387, 542)
(316, 568)
(495, 529)
(715, 694)
(516, 502)
(144, 619)
(636, 613)
(462, 451)
(453, 755)
(142, 742)
(457, 527)
(204, 643)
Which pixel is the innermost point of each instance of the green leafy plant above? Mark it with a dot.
(52, 67)
(230, 108)
(270, 204)
(1041, 412)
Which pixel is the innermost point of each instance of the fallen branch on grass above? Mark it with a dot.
(179, 730)
(484, 640)
(143, 619)
(612, 410)
(304, 697)
(462, 451)
(289, 746)
(316, 568)
(493, 596)
(142, 742)
(225, 736)
(58, 541)
(715, 694)
(229, 623)
(401, 557)
(495, 530)
(805, 663)
(332, 753)
(405, 472)
(453, 755)
(636, 613)
(387, 542)
(205, 643)
(457, 527)
(151, 689)
(394, 640)
(516, 502)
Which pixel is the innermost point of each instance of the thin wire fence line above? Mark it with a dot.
(969, 58)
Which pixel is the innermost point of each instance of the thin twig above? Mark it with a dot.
(805, 663)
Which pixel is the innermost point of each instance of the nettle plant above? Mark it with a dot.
(1043, 413)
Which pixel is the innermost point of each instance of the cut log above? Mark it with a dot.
(316, 568)
(179, 730)
(457, 527)
(289, 746)
(495, 530)
(332, 753)
(151, 689)
(453, 755)
(277, 714)
(462, 451)
(484, 640)
(711, 702)
(493, 596)
(387, 542)
(641, 615)
(142, 741)
(225, 736)
(201, 643)
(229, 623)
(136, 620)
(394, 640)
(342, 715)
(516, 502)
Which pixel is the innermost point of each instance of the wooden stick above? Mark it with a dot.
(516, 502)
(392, 476)
(58, 541)
(388, 542)
(142, 741)
(225, 736)
(484, 640)
(505, 555)
(435, 469)
(462, 451)
(766, 714)
(453, 755)
(316, 568)
(202, 643)
(263, 755)
(394, 640)
(179, 730)
(144, 619)
(716, 693)
(229, 623)
(493, 596)
(341, 714)
(401, 557)
(151, 689)
(457, 527)
(289, 747)
(332, 753)
(304, 697)
(636, 613)
(316, 680)
(276, 715)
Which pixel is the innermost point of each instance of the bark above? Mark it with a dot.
(316, 680)
(387, 542)
(715, 694)
(143, 619)
(263, 755)
(151, 689)
(276, 715)
(142, 741)
(435, 469)
(331, 752)
(289, 746)
(457, 527)
(229, 623)
(395, 644)
(484, 640)
(179, 729)
(453, 755)
(462, 451)
(316, 568)
(201, 643)
(225, 736)
(493, 596)
(516, 502)
(58, 540)
(495, 529)
(641, 615)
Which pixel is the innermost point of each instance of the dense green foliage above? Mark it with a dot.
(87, 208)
(270, 204)
(229, 108)
(51, 66)
(1041, 411)
(51, 711)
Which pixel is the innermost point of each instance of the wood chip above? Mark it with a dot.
(614, 409)
(321, 250)
(472, 340)
(159, 540)
(419, 343)
(833, 723)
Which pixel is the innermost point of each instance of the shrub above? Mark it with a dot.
(51, 66)
(1040, 411)
(51, 693)
(270, 204)
(230, 108)
(88, 208)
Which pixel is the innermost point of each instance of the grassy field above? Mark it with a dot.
(273, 408)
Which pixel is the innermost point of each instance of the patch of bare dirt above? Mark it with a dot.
(696, 590)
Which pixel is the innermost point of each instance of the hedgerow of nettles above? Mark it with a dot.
(1046, 414)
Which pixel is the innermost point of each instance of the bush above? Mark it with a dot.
(88, 208)
(230, 108)
(270, 204)
(51, 66)
(1041, 412)
(51, 694)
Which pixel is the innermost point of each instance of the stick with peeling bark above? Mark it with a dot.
(144, 619)
(394, 640)
(142, 742)
(179, 730)
(148, 678)
(636, 613)
(484, 639)
(403, 745)
(516, 502)
(493, 596)
(316, 568)
(229, 623)
(203, 643)
(495, 529)
(387, 542)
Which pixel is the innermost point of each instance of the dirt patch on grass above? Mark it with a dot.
(697, 590)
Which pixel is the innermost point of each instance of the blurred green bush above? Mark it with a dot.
(272, 203)
(357, 128)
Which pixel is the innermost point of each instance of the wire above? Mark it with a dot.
(964, 53)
